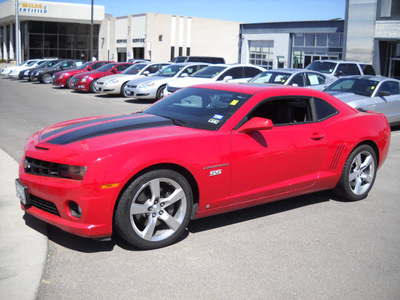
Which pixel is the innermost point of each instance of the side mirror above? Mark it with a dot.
(339, 73)
(146, 73)
(256, 124)
(184, 75)
(294, 84)
(227, 78)
(114, 71)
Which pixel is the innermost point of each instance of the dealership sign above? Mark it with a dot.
(33, 8)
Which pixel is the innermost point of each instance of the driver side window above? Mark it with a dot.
(284, 111)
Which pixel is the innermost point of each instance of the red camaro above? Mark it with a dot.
(63, 78)
(85, 82)
(201, 151)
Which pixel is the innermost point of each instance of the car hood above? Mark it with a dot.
(121, 77)
(346, 97)
(189, 81)
(97, 133)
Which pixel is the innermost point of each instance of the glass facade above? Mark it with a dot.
(308, 47)
(62, 40)
(261, 53)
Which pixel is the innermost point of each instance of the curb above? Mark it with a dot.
(23, 240)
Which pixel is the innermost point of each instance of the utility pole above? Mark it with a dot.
(91, 34)
(17, 35)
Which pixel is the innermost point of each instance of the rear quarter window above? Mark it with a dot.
(368, 70)
(324, 110)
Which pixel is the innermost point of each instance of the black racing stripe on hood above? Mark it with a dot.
(109, 128)
(84, 123)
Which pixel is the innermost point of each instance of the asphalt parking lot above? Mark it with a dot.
(309, 247)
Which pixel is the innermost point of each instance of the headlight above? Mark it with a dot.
(146, 85)
(62, 75)
(26, 73)
(112, 81)
(85, 78)
(73, 172)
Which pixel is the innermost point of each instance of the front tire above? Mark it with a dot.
(155, 209)
(68, 82)
(91, 86)
(358, 175)
(122, 93)
(46, 78)
(160, 92)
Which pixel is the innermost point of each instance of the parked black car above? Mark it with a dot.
(46, 75)
(26, 73)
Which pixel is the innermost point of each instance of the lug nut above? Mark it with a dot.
(161, 212)
(150, 208)
(154, 215)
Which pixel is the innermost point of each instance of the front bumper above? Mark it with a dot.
(142, 93)
(52, 199)
(107, 88)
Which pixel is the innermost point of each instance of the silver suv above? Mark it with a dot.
(336, 68)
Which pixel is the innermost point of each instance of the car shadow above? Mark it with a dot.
(87, 245)
(260, 211)
(139, 101)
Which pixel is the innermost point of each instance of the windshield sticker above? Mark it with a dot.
(234, 102)
(213, 121)
(218, 117)
(372, 87)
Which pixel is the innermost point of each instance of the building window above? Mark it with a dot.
(180, 51)
(390, 9)
(261, 53)
(188, 51)
(172, 53)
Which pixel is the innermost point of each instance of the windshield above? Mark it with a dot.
(271, 77)
(81, 67)
(169, 71)
(32, 62)
(209, 72)
(180, 59)
(362, 87)
(106, 68)
(42, 64)
(199, 108)
(135, 69)
(322, 66)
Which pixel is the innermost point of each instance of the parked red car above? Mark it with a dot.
(63, 78)
(201, 151)
(85, 82)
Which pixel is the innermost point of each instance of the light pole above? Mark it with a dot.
(17, 35)
(91, 34)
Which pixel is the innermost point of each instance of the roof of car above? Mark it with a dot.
(341, 61)
(369, 77)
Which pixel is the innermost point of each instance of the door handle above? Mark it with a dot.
(317, 136)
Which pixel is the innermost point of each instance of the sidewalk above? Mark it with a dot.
(23, 250)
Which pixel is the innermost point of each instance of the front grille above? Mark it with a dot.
(47, 206)
(42, 168)
(131, 86)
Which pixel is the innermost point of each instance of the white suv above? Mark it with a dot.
(336, 68)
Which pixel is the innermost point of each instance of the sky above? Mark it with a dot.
(243, 11)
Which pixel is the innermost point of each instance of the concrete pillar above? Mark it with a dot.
(5, 34)
(12, 53)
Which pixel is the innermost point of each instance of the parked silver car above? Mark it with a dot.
(295, 77)
(380, 94)
(153, 87)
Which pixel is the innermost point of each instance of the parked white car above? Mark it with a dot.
(153, 87)
(215, 73)
(14, 74)
(295, 77)
(7, 70)
(115, 84)
(337, 68)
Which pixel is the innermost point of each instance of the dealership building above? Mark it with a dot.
(370, 33)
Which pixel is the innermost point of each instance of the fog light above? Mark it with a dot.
(75, 209)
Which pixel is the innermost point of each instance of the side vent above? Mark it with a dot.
(336, 158)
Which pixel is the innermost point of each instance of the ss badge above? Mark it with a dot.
(215, 172)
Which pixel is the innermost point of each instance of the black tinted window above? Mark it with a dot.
(251, 72)
(324, 109)
(234, 72)
(368, 70)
